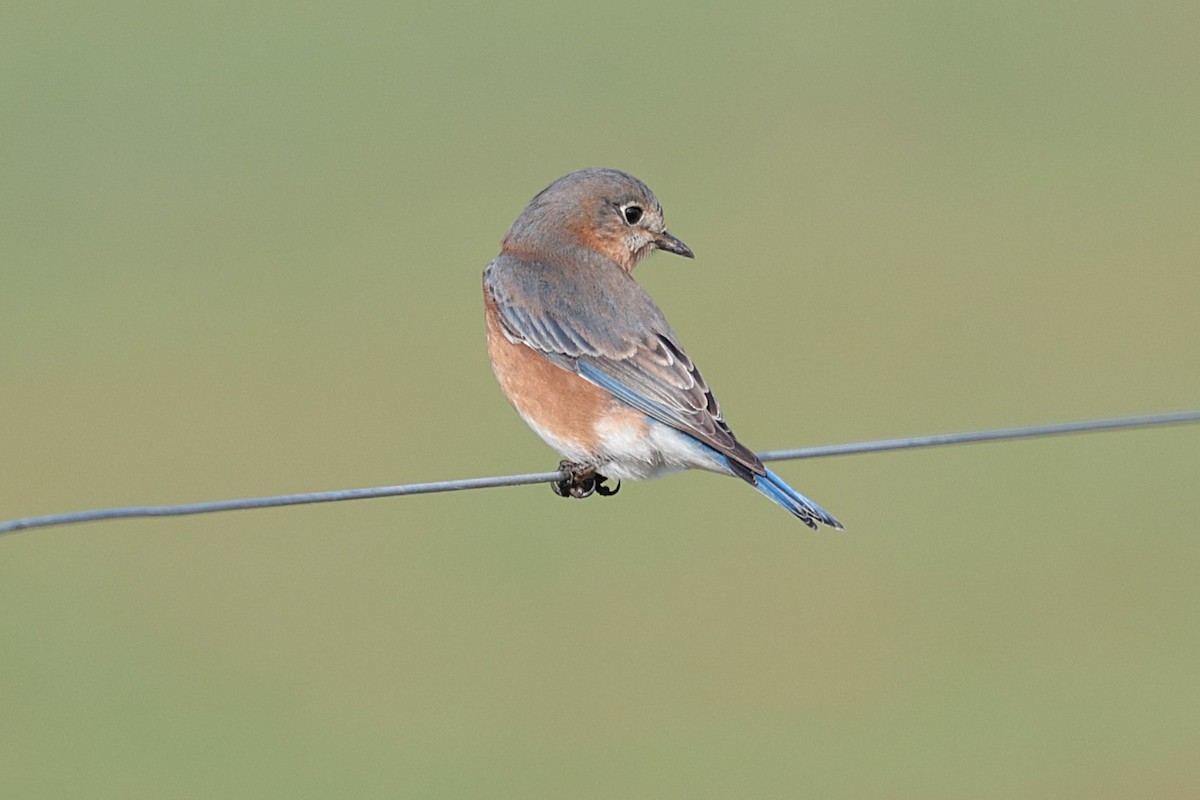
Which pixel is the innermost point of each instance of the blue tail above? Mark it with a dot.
(806, 510)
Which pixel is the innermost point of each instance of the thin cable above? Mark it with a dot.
(129, 512)
(935, 440)
(940, 439)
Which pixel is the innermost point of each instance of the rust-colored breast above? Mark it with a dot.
(560, 405)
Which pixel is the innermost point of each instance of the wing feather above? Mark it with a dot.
(617, 339)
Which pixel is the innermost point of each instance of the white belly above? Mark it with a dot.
(635, 451)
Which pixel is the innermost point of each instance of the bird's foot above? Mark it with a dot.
(582, 481)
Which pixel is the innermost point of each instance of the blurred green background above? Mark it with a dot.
(240, 253)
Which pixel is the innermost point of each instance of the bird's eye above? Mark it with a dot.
(632, 214)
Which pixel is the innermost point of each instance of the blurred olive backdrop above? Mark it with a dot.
(240, 250)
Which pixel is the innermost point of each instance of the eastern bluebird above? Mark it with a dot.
(588, 359)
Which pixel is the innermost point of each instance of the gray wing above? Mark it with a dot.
(600, 324)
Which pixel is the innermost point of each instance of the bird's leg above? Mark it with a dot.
(580, 482)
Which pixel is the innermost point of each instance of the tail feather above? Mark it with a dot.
(800, 506)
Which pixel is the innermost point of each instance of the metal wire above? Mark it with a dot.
(940, 439)
(936, 440)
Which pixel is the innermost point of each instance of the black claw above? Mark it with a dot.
(605, 491)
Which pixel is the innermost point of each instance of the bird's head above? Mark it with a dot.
(605, 210)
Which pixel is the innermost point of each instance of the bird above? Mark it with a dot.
(588, 359)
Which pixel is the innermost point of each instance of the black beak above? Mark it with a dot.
(666, 241)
